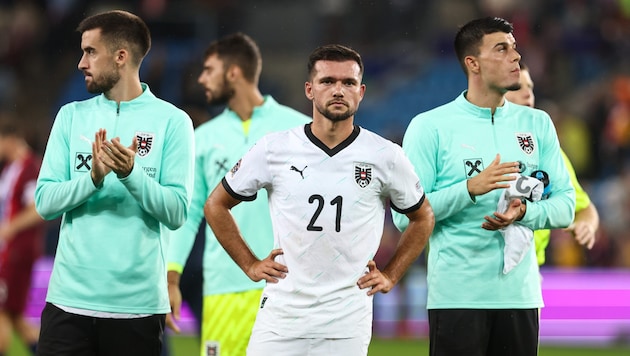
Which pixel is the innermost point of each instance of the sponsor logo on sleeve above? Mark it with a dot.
(236, 167)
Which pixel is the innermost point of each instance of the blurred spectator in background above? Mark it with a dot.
(617, 124)
(21, 234)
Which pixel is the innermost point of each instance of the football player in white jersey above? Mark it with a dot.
(329, 183)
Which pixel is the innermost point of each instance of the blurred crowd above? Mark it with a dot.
(577, 52)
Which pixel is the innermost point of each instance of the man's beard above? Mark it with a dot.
(225, 93)
(513, 87)
(335, 117)
(104, 83)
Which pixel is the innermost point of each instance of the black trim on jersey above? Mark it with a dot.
(414, 207)
(331, 151)
(236, 195)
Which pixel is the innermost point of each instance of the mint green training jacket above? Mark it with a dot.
(111, 255)
(455, 142)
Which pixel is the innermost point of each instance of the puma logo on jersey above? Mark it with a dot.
(472, 148)
(293, 168)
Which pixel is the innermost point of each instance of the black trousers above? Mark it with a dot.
(67, 334)
(483, 332)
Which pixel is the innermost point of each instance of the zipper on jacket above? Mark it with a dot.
(118, 109)
(492, 117)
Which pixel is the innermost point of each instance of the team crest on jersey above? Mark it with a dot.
(83, 161)
(526, 142)
(362, 174)
(236, 167)
(145, 142)
(212, 348)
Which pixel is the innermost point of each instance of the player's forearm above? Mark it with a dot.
(227, 233)
(166, 201)
(588, 215)
(54, 197)
(173, 278)
(24, 220)
(412, 242)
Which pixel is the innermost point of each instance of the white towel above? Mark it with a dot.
(518, 238)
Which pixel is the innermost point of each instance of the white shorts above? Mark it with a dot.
(265, 343)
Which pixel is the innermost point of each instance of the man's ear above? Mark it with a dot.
(308, 90)
(472, 64)
(121, 56)
(233, 72)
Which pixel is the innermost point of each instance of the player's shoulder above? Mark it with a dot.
(283, 112)
(435, 116)
(276, 106)
(295, 131)
(74, 111)
(517, 109)
(80, 105)
(215, 125)
(165, 109)
(374, 141)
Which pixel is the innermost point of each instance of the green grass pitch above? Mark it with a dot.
(187, 346)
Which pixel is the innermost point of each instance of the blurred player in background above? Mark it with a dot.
(230, 76)
(21, 234)
(586, 222)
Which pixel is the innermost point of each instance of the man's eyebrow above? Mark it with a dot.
(334, 79)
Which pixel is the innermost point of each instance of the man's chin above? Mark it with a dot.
(338, 117)
(93, 90)
(513, 87)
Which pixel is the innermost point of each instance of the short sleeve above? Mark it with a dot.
(405, 190)
(249, 174)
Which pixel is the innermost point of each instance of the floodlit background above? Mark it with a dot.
(578, 52)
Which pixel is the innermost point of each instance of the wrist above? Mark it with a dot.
(98, 183)
(173, 278)
(522, 209)
(470, 193)
(124, 175)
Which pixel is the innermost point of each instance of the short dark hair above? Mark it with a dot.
(469, 37)
(238, 49)
(120, 29)
(333, 52)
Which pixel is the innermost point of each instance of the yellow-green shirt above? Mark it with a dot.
(582, 200)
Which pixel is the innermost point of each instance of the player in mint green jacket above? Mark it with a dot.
(463, 152)
(118, 168)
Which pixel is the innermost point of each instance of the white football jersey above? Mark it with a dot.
(328, 209)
